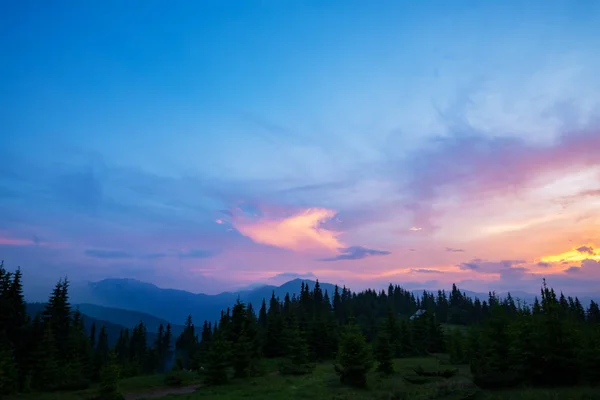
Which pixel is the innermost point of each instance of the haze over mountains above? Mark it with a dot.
(126, 302)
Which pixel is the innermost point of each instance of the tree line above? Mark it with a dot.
(554, 341)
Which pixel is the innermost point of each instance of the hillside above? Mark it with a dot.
(112, 329)
(154, 304)
(126, 318)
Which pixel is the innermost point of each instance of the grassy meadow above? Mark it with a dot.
(323, 384)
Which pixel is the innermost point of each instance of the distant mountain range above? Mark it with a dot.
(156, 304)
(113, 329)
(126, 318)
(119, 303)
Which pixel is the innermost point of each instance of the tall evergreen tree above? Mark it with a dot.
(354, 360)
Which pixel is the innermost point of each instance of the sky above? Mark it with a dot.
(211, 145)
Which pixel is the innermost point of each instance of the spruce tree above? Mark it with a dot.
(296, 351)
(273, 339)
(384, 351)
(354, 360)
(8, 368)
(217, 361)
(109, 380)
(47, 370)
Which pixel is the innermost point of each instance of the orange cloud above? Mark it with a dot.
(300, 232)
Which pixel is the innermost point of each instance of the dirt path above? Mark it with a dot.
(161, 392)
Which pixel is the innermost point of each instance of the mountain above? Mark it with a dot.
(113, 330)
(172, 305)
(127, 318)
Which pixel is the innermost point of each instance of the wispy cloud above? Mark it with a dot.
(114, 254)
(451, 250)
(302, 231)
(153, 256)
(426, 271)
(356, 253)
(197, 253)
(293, 275)
(8, 241)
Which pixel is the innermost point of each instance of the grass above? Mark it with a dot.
(129, 385)
(324, 384)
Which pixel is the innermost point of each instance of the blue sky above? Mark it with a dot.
(180, 143)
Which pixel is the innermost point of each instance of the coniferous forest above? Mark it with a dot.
(500, 344)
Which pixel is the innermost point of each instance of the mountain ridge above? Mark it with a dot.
(175, 305)
(129, 301)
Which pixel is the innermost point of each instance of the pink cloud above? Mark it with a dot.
(7, 241)
(300, 232)
(468, 169)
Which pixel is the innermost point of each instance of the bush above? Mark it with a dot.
(174, 378)
(287, 367)
(444, 373)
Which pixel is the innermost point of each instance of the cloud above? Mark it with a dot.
(197, 253)
(293, 275)
(451, 250)
(470, 166)
(300, 232)
(8, 241)
(492, 266)
(426, 271)
(116, 254)
(544, 264)
(153, 256)
(472, 265)
(586, 252)
(586, 249)
(356, 253)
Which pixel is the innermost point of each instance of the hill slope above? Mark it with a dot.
(154, 304)
(126, 318)
(112, 329)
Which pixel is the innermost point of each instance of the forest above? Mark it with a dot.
(502, 342)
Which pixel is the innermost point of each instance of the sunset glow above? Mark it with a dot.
(351, 143)
(299, 232)
(587, 252)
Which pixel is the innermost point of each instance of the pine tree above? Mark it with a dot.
(262, 315)
(384, 350)
(93, 335)
(405, 346)
(354, 360)
(217, 361)
(8, 368)
(166, 348)
(47, 370)
(77, 370)
(109, 380)
(245, 349)
(296, 351)
(456, 347)
(186, 345)
(101, 353)
(273, 339)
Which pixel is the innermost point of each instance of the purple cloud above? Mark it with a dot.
(356, 253)
(293, 275)
(543, 264)
(426, 271)
(451, 250)
(197, 253)
(586, 250)
(112, 254)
